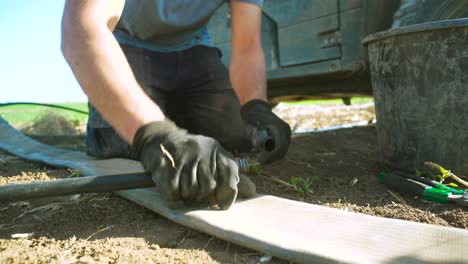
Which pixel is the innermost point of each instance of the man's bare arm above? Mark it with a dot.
(247, 70)
(101, 68)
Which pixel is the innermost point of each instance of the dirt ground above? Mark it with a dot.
(341, 167)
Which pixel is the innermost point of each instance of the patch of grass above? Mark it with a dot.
(20, 115)
(354, 101)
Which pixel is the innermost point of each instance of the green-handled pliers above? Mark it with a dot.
(425, 188)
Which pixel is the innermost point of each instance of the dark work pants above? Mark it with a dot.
(191, 87)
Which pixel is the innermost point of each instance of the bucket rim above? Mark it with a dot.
(438, 25)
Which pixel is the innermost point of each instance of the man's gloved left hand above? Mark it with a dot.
(258, 113)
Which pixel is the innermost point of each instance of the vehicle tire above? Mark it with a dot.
(421, 11)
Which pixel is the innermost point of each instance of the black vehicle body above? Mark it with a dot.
(314, 48)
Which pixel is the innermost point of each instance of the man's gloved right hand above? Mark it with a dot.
(185, 167)
(259, 114)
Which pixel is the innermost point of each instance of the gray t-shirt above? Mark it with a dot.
(168, 25)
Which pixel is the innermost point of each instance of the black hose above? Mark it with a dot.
(69, 186)
(47, 105)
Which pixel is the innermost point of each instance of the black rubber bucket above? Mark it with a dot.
(420, 85)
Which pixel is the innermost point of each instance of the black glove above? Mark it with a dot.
(186, 168)
(258, 113)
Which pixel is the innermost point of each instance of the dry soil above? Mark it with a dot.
(341, 167)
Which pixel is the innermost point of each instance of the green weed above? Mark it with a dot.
(302, 185)
(255, 168)
(74, 173)
(433, 171)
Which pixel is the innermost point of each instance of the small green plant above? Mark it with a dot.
(302, 185)
(437, 173)
(250, 167)
(255, 168)
(433, 171)
(74, 173)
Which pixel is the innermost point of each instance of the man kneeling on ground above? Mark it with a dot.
(159, 92)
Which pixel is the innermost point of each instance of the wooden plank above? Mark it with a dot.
(300, 232)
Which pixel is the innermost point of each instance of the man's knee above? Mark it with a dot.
(105, 143)
(235, 139)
